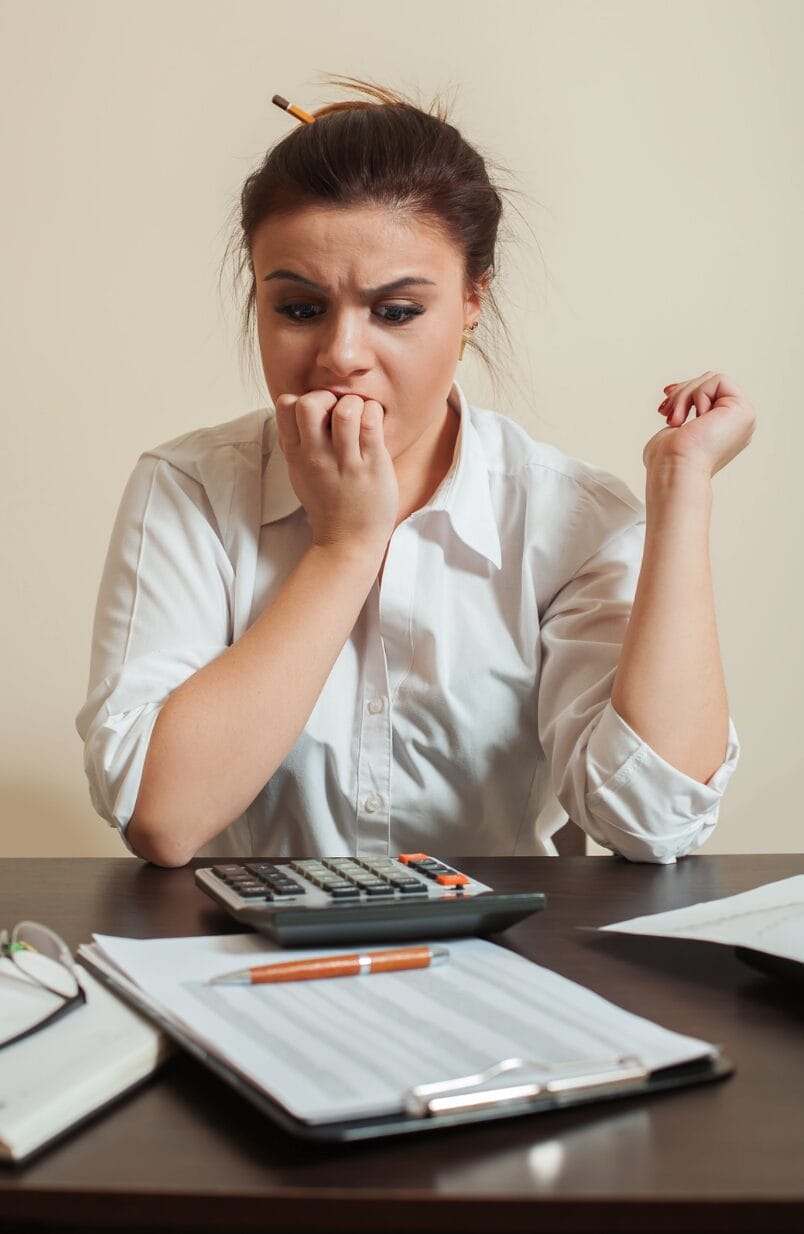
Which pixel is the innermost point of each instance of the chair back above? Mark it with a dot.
(570, 841)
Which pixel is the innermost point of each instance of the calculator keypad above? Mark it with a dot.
(342, 879)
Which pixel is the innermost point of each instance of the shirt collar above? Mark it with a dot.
(463, 494)
(278, 496)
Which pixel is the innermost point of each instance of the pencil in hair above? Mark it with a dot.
(294, 111)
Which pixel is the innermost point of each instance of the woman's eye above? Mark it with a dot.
(407, 311)
(298, 312)
(394, 314)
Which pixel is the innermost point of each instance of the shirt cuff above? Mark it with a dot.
(113, 761)
(642, 806)
(117, 722)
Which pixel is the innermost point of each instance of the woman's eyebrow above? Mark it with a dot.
(406, 281)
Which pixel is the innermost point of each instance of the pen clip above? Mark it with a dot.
(575, 1076)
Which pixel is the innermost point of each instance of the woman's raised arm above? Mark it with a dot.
(669, 684)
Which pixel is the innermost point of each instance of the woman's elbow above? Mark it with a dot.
(157, 844)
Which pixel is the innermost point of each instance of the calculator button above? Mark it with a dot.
(309, 869)
(409, 858)
(345, 893)
(452, 880)
(430, 868)
(378, 889)
(414, 888)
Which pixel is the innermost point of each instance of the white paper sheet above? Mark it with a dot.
(350, 1047)
(768, 918)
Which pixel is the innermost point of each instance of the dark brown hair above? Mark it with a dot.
(387, 152)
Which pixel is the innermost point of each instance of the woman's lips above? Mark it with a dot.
(343, 393)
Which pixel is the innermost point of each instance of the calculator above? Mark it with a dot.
(335, 900)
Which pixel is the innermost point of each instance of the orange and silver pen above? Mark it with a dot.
(355, 965)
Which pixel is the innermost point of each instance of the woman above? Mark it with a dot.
(381, 619)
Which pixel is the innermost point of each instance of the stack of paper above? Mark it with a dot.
(70, 1068)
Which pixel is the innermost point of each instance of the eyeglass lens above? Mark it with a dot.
(44, 958)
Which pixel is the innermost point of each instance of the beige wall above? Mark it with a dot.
(660, 146)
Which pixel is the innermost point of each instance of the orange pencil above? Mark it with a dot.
(294, 111)
(355, 965)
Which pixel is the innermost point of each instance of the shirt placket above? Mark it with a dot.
(388, 658)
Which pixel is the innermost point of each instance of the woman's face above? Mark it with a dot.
(327, 318)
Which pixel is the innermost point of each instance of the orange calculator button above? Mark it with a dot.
(406, 858)
(452, 880)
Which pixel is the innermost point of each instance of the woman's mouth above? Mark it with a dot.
(342, 394)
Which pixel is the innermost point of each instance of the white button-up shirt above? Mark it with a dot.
(473, 694)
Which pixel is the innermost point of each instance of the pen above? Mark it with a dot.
(354, 965)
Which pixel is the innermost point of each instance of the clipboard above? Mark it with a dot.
(512, 1088)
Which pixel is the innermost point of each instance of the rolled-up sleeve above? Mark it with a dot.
(622, 793)
(163, 612)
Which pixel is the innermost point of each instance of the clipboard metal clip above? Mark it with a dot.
(575, 1078)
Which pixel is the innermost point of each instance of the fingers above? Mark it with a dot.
(701, 392)
(312, 418)
(286, 427)
(319, 421)
(346, 419)
(357, 429)
(372, 438)
(303, 420)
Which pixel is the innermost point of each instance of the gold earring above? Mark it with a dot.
(467, 334)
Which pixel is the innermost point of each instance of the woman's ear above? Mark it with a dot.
(473, 304)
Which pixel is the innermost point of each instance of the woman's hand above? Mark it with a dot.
(340, 468)
(723, 425)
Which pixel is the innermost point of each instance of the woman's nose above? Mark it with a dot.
(344, 345)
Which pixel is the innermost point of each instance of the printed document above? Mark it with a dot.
(768, 918)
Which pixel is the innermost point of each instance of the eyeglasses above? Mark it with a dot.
(43, 960)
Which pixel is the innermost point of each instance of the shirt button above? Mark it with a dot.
(372, 803)
(375, 706)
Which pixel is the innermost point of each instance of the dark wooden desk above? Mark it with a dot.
(186, 1153)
